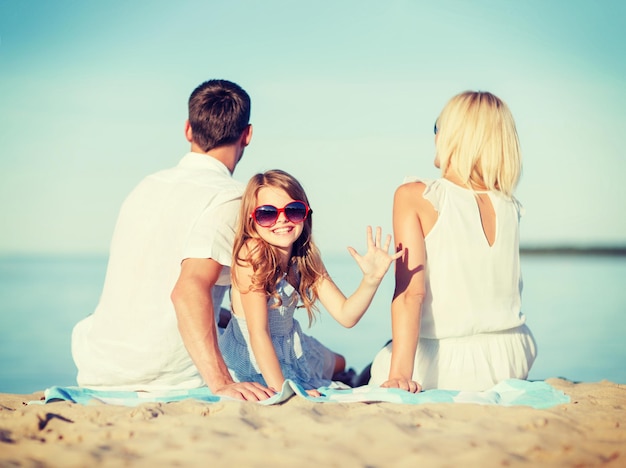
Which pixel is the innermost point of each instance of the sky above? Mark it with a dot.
(344, 95)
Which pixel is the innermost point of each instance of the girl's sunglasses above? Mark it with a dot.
(267, 215)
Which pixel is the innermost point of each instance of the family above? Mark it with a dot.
(187, 235)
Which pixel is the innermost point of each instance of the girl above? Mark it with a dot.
(276, 265)
(457, 321)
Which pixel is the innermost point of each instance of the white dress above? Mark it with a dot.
(302, 358)
(473, 331)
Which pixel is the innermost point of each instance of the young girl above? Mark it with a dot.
(457, 321)
(276, 266)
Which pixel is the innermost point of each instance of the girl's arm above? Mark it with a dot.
(254, 304)
(374, 264)
(406, 307)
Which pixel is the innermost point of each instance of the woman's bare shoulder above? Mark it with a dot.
(410, 193)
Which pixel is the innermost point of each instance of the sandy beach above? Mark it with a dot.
(588, 431)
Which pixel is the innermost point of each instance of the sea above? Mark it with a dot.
(575, 305)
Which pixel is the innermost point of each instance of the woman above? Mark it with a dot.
(456, 313)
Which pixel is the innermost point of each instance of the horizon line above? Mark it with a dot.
(530, 249)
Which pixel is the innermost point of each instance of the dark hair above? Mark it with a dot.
(219, 111)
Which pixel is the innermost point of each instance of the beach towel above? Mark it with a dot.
(512, 392)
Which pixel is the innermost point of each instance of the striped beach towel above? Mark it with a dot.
(512, 392)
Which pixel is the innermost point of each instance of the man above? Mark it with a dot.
(154, 327)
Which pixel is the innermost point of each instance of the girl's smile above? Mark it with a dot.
(282, 230)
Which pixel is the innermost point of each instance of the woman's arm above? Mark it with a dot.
(254, 304)
(374, 264)
(406, 307)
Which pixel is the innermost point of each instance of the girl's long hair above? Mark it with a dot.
(263, 257)
(477, 138)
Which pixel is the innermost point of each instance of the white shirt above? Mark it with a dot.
(131, 341)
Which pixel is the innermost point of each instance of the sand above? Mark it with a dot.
(588, 431)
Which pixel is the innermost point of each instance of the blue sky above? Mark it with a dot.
(93, 97)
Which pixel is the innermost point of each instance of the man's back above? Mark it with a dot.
(132, 340)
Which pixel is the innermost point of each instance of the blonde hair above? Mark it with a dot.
(477, 139)
(263, 257)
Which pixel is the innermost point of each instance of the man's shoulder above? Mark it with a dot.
(211, 176)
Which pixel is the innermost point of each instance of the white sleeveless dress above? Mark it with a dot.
(302, 358)
(473, 333)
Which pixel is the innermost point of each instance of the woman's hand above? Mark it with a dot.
(313, 393)
(404, 384)
(376, 261)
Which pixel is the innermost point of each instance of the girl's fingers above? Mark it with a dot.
(387, 242)
(379, 233)
(352, 252)
(376, 240)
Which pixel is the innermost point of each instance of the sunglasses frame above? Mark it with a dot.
(308, 210)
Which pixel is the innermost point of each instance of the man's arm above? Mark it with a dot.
(193, 303)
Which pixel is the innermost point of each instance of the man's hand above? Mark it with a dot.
(249, 391)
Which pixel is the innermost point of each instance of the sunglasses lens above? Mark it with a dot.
(295, 212)
(266, 215)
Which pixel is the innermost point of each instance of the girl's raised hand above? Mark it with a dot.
(375, 263)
